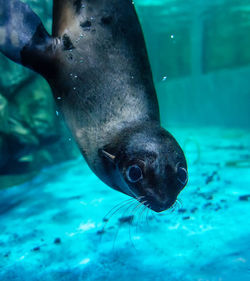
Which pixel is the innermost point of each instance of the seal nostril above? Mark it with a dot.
(160, 204)
(182, 175)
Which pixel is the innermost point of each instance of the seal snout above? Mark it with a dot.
(147, 164)
(158, 205)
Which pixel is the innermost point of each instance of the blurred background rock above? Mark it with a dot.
(199, 52)
(32, 135)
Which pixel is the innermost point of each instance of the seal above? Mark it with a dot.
(97, 65)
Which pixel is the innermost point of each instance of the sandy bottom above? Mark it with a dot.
(53, 227)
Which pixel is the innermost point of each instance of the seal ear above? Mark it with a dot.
(109, 156)
(23, 37)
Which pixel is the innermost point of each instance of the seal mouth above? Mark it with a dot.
(158, 206)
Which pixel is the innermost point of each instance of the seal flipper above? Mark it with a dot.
(23, 37)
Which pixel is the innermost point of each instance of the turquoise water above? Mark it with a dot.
(65, 224)
(54, 227)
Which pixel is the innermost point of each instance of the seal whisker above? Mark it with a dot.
(172, 208)
(137, 219)
(179, 201)
(140, 202)
(135, 209)
(141, 214)
(117, 210)
(144, 212)
(130, 229)
(147, 215)
(114, 210)
(116, 206)
(138, 211)
(131, 204)
(134, 216)
(151, 214)
(140, 198)
(116, 234)
(154, 215)
(175, 206)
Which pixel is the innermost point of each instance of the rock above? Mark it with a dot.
(37, 108)
(31, 135)
(193, 210)
(57, 241)
(3, 114)
(211, 177)
(13, 77)
(245, 197)
(21, 135)
(3, 130)
(6, 255)
(128, 220)
(36, 249)
(207, 205)
(217, 208)
(181, 211)
(100, 232)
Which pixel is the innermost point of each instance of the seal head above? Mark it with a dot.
(148, 164)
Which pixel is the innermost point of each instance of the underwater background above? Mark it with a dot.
(58, 221)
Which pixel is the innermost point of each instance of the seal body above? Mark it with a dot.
(97, 66)
(104, 76)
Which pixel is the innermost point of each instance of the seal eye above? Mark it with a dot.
(182, 176)
(134, 173)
